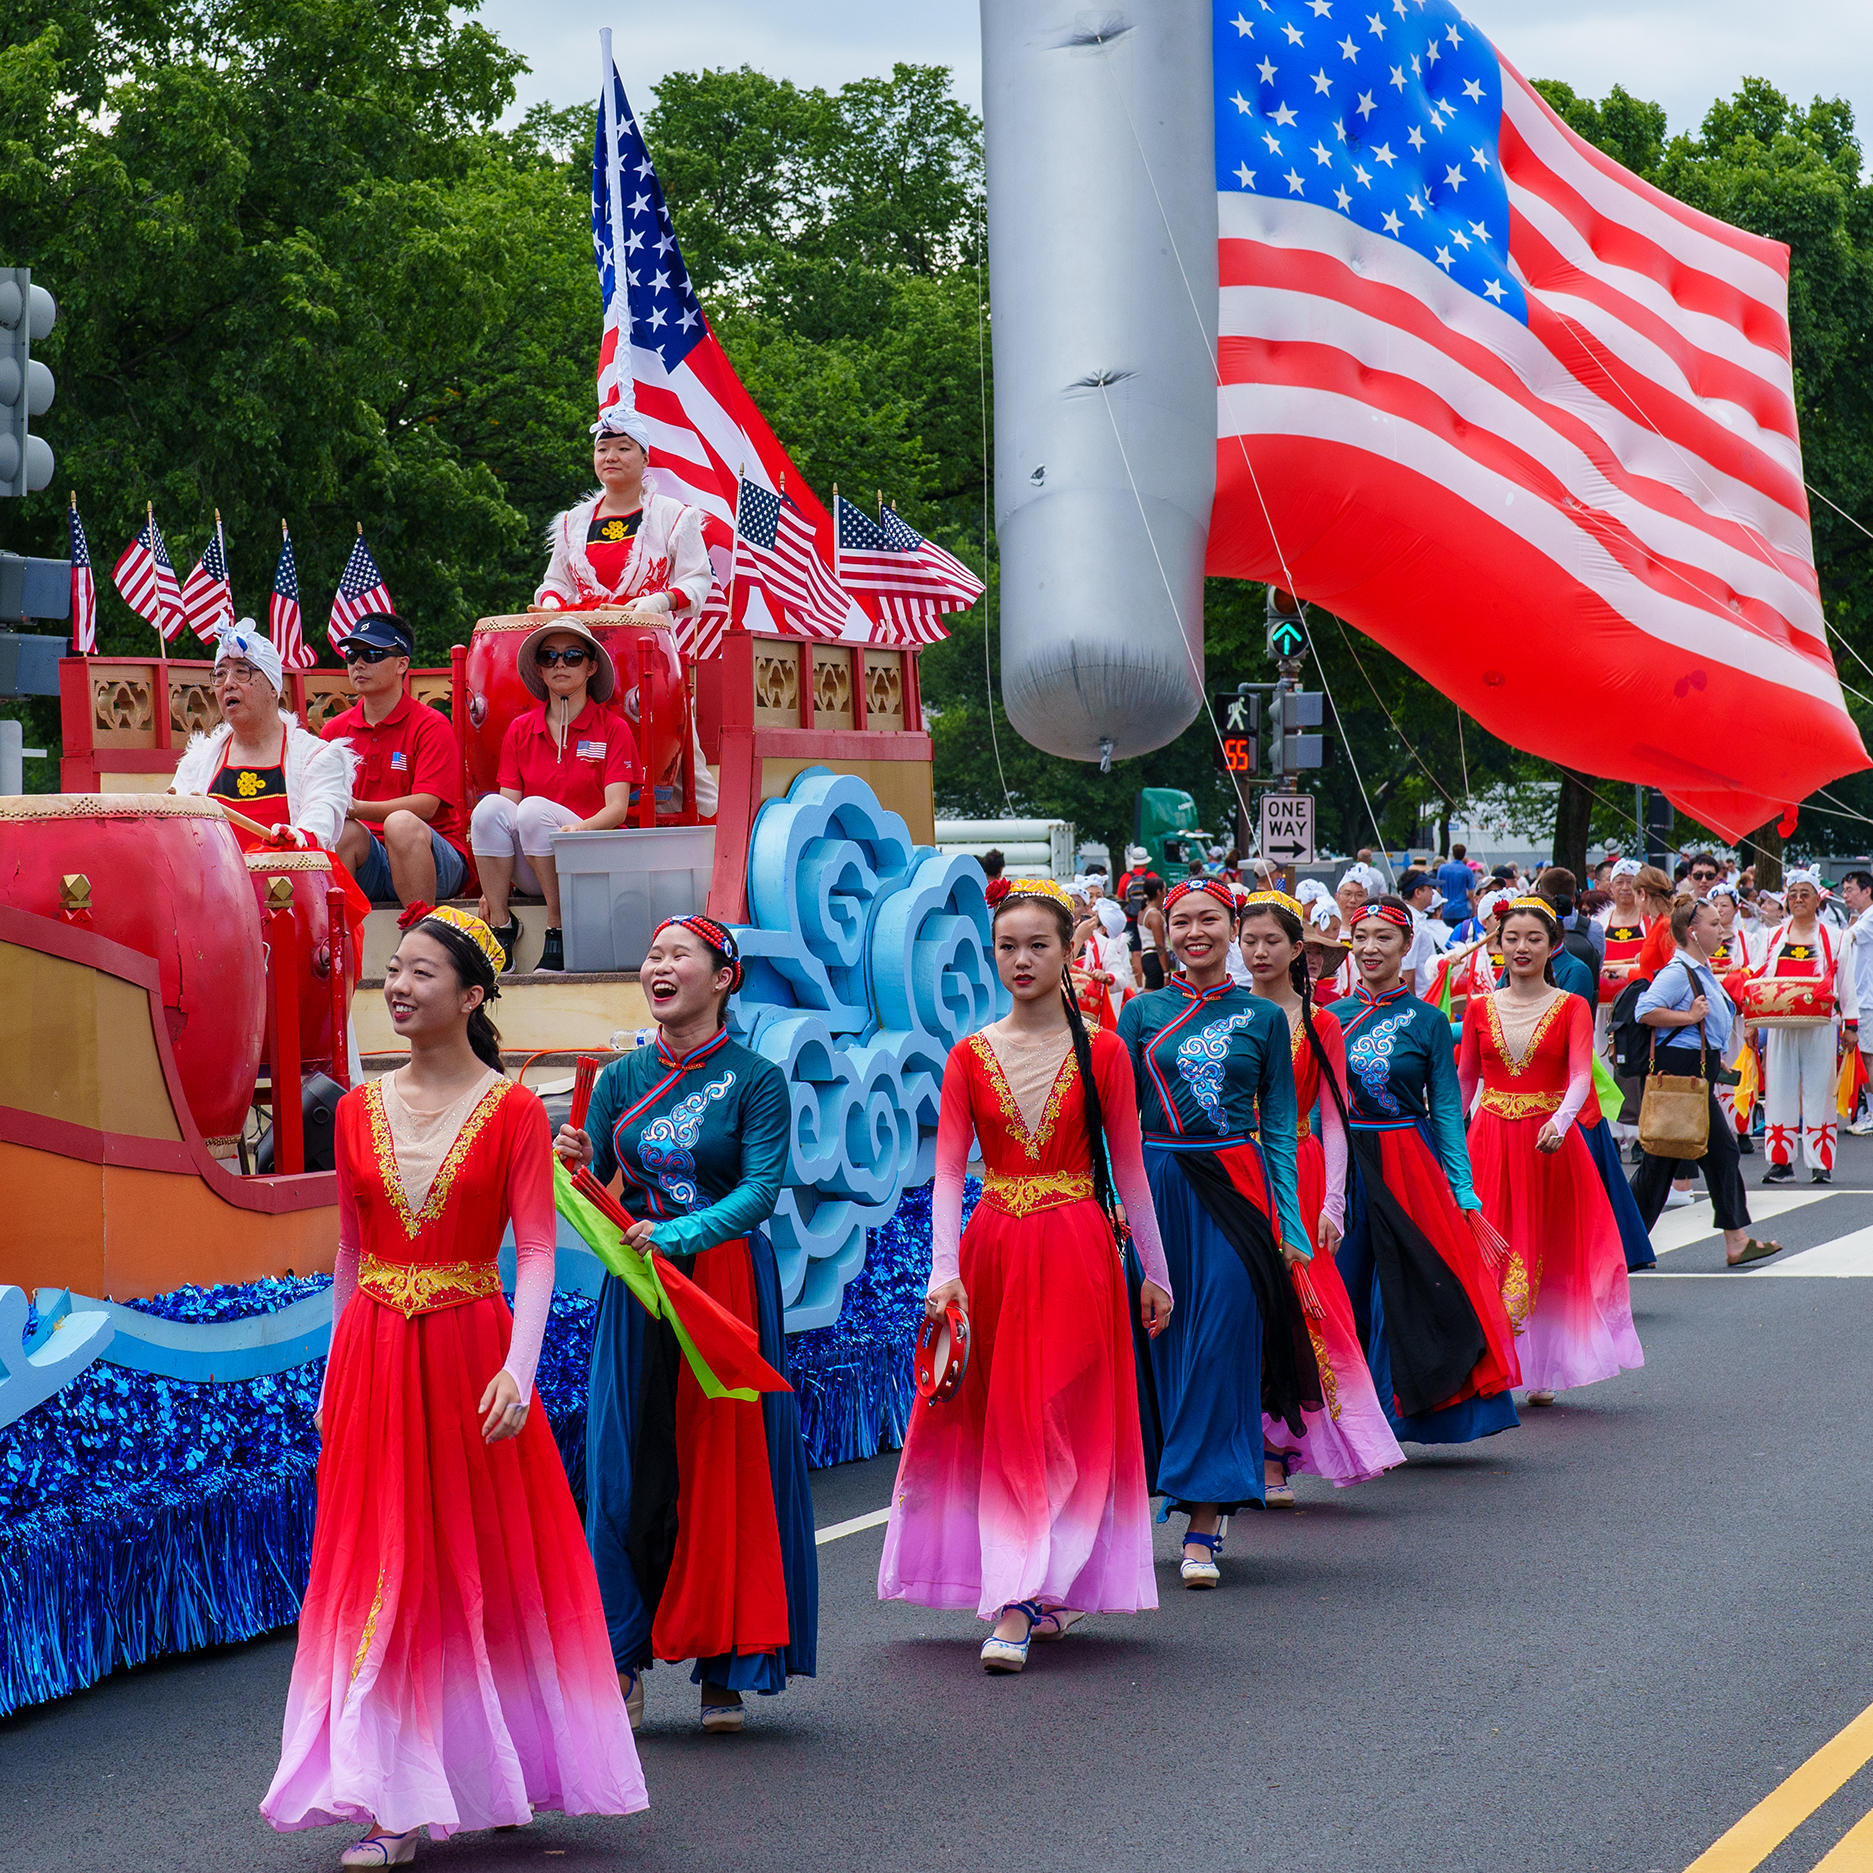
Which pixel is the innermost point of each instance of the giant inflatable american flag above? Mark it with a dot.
(657, 347)
(1516, 414)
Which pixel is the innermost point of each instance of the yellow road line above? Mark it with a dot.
(1853, 1853)
(1784, 1809)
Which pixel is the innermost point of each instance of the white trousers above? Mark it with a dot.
(520, 830)
(1799, 1071)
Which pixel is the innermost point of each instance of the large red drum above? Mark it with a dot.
(496, 694)
(310, 875)
(166, 879)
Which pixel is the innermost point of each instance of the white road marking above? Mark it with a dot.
(1846, 1255)
(1679, 1229)
(857, 1525)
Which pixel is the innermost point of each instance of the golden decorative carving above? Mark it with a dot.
(884, 689)
(121, 703)
(108, 806)
(267, 863)
(279, 894)
(193, 709)
(323, 703)
(433, 690)
(777, 686)
(74, 891)
(832, 687)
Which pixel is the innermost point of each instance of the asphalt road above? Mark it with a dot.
(1590, 1645)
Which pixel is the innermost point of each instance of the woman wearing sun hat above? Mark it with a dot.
(567, 766)
(697, 1508)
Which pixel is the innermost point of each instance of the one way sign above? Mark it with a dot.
(1288, 828)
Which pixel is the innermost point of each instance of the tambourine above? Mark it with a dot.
(942, 1355)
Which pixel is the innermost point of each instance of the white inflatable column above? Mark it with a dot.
(1102, 231)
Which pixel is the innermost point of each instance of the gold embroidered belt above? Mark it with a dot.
(1508, 1105)
(1021, 1195)
(1302, 1129)
(426, 1287)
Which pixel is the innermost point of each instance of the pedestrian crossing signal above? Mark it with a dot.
(1236, 754)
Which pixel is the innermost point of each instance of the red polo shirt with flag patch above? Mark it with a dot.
(412, 750)
(599, 751)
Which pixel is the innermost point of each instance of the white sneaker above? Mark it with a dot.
(1679, 1199)
(1860, 1127)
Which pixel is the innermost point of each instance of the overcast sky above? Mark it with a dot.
(1681, 52)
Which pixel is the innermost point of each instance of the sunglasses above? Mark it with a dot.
(368, 653)
(571, 656)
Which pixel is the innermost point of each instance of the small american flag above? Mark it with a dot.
(360, 592)
(774, 549)
(908, 582)
(84, 587)
(207, 595)
(283, 609)
(147, 580)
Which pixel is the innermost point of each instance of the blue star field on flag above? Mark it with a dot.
(666, 316)
(1384, 111)
(759, 520)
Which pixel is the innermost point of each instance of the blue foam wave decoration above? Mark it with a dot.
(868, 959)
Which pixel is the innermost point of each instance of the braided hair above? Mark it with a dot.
(1103, 1192)
(1302, 984)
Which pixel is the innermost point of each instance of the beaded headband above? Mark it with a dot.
(1398, 919)
(1211, 887)
(470, 926)
(718, 937)
(1293, 906)
(1043, 888)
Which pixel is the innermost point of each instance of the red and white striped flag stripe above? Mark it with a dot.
(84, 587)
(207, 594)
(1588, 529)
(774, 549)
(147, 580)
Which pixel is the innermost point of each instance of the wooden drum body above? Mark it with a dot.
(165, 877)
(1788, 1001)
(496, 695)
(310, 875)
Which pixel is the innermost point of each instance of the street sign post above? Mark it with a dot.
(1288, 828)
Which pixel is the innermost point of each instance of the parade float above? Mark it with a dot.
(175, 1031)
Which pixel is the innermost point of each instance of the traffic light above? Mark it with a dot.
(1238, 717)
(27, 315)
(1287, 635)
(1290, 750)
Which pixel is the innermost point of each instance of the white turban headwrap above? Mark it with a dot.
(1627, 868)
(619, 421)
(244, 640)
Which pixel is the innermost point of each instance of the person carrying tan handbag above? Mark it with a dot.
(1692, 1018)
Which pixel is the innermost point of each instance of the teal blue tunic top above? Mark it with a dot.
(701, 1140)
(1401, 1070)
(1215, 1069)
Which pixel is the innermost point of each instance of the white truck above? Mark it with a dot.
(1032, 847)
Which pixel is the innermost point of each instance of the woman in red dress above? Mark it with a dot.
(1529, 1046)
(453, 1668)
(1348, 1440)
(1023, 1496)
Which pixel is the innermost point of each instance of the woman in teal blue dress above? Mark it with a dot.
(697, 1509)
(1421, 1266)
(1214, 1068)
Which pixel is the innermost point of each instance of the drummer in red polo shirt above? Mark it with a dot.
(403, 840)
(567, 766)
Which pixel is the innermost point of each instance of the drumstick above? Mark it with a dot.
(243, 822)
(582, 1080)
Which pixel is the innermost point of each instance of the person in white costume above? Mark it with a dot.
(1856, 890)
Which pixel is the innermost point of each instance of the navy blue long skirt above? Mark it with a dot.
(1632, 1230)
(1203, 1390)
(610, 1445)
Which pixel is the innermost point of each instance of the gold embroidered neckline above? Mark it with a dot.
(385, 1151)
(1033, 1143)
(1517, 1063)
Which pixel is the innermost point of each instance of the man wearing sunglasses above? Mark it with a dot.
(403, 840)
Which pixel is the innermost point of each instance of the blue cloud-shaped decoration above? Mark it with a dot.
(868, 959)
(819, 864)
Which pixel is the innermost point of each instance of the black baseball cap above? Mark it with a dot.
(382, 630)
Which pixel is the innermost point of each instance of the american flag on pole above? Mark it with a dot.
(1516, 414)
(658, 352)
(361, 591)
(283, 616)
(903, 580)
(207, 595)
(774, 549)
(84, 587)
(147, 580)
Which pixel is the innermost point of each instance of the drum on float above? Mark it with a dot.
(310, 875)
(496, 695)
(166, 880)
